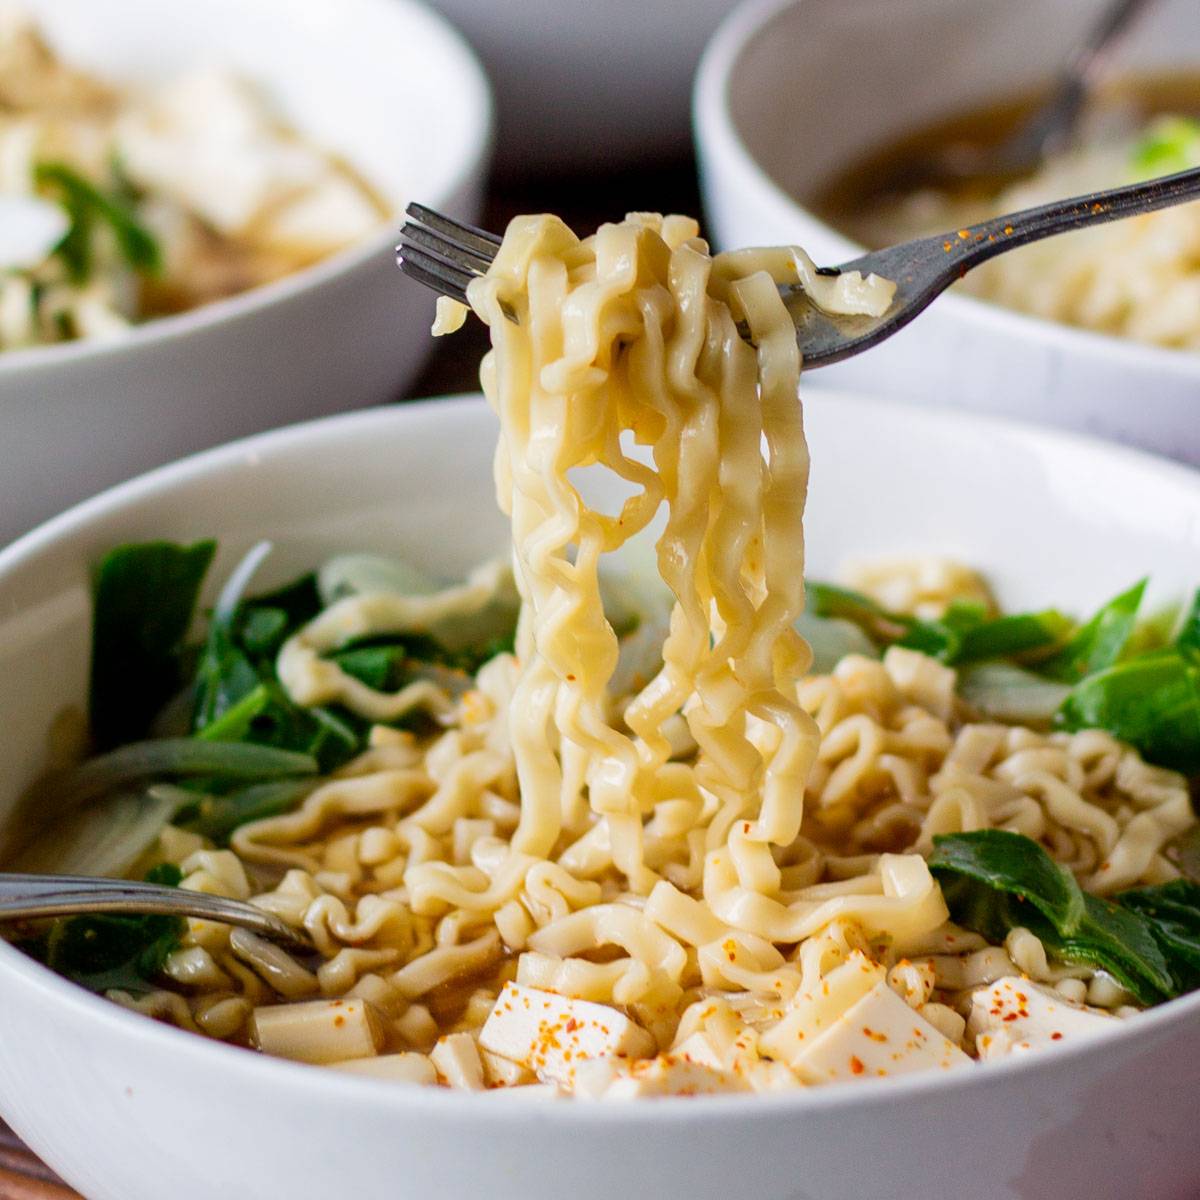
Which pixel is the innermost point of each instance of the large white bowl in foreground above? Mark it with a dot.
(791, 92)
(127, 1109)
(385, 83)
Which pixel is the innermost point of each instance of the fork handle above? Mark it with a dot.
(968, 247)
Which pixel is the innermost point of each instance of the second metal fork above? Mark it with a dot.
(446, 255)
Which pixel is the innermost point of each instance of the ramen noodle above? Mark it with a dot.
(652, 857)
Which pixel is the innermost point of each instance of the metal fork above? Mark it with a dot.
(28, 897)
(446, 255)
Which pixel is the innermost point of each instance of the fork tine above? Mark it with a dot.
(432, 273)
(481, 240)
(440, 246)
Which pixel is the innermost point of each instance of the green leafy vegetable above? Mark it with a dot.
(1188, 637)
(1173, 911)
(144, 600)
(216, 817)
(1171, 144)
(164, 758)
(994, 881)
(1100, 642)
(87, 206)
(963, 634)
(1004, 691)
(1152, 702)
(113, 951)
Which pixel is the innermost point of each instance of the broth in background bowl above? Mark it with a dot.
(791, 97)
(1138, 278)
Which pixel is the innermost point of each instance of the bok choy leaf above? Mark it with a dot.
(144, 600)
(995, 881)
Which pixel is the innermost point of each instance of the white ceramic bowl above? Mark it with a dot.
(384, 82)
(127, 1109)
(587, 84)
(789, 94)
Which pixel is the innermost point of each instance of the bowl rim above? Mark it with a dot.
(716, 135)
(470, 81)
(62, 998)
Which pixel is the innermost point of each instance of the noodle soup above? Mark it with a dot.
(570, 834)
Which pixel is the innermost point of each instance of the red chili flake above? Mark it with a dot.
(1056, 1037)
(856, 1065)
(572, 1025)
(1010, 1016)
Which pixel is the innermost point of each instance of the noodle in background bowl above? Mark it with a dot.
(127, 1109)
(384, 83)
(790, 94)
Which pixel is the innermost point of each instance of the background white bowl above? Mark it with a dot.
(789, 94)
(384, 82)
(588, 83)
(127, 1109)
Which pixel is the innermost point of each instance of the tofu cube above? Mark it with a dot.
(456, 1058)
(1013, 1015)
(397, 1068)
(551, 1034)
(879, 1035)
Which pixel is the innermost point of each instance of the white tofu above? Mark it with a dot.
(457, 1060)
(1013, 1015)
(669, 1075)
(397, 1068)
(754, 1073)
(318, 1031)
(552, 1034)
(811, 1012)
(879, 1035)
(503, 1072)
(699, 1048)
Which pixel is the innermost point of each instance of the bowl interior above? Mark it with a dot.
(818, 84)
(1052, 520)
(382, 82)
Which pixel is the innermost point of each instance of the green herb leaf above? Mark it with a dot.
(113, 951)
(1188, 637)
(1100, 642)
(86, 205)
(1173, 911)
(1004, 691)
(963, 634)
(144, 600)
(1171, 144)
(1152, 702)
(994, 881)
(216, 817)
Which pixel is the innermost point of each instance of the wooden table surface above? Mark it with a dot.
(454, 366)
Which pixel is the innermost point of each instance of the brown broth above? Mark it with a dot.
(893, 169)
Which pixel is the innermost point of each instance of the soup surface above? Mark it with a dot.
(1137, 278)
